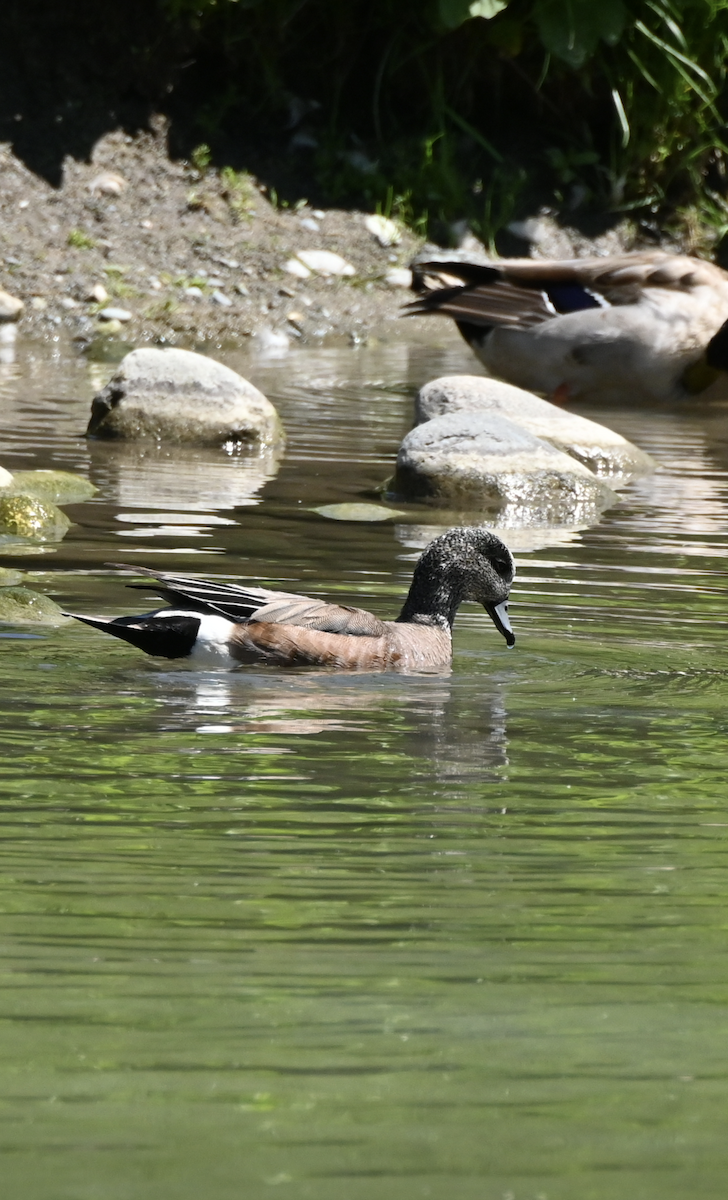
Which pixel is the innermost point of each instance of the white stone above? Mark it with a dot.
(178, 396)
(221, 299)
(325, 262)
(292, 267)
(308, 223)
(98, 293)
(383, 229)
(108, 183)
(192, 293)
(10, 307)
(115, 314)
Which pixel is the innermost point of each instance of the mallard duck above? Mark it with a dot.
(225, 625)
(629, 327)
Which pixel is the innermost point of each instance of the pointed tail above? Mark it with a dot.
(170, 636)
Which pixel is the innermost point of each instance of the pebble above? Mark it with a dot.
(38, 304)
(385, 231)
(155, 283)
(400, 277)
(108, 183)
(192, 293)
(10, 307)
(222, 299)
(116, 314)
(103, 326)
(98, 293)
(308, 223)
(294, 267)
(325, 262)
(241, 289)
(67, 302)
(318, 214)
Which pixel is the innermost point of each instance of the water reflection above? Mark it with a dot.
(185, 482)
(446, 724)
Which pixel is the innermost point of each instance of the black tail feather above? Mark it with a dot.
(170, 636)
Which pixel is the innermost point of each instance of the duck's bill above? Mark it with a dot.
(498, 614)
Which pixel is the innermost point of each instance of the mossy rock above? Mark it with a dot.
(356, 512)
(10, 577)
(60, 487)
(22, 606)
(27, 518)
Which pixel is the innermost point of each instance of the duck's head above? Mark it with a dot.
(462, 564)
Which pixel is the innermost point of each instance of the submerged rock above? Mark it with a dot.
(60, 487)
(600, 449)
(482, 461)
(180, 396)
(29, 519)
(21, 606)
(356, 512)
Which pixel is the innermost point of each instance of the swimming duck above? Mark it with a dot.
(225, 625)
(630, 327)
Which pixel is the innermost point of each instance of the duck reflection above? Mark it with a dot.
(454, 725)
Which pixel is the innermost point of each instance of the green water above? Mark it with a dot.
(303, 935)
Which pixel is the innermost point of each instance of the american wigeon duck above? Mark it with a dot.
(629, 327)
(226, 625)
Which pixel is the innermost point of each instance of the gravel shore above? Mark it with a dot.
(189, 256)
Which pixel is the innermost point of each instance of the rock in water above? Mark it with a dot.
(601, 449)
(22, 606)
(26, 518)
(481, 461)
(180, 396)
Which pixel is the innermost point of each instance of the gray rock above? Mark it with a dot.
(10, 306)
(26, 518)
(600, 449)
(480, 460)
(179, 396)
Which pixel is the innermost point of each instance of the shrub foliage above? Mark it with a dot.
(476, 109)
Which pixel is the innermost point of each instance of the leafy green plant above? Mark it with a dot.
(469, 109)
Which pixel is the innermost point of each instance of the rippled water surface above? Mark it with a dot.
(303, 935)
